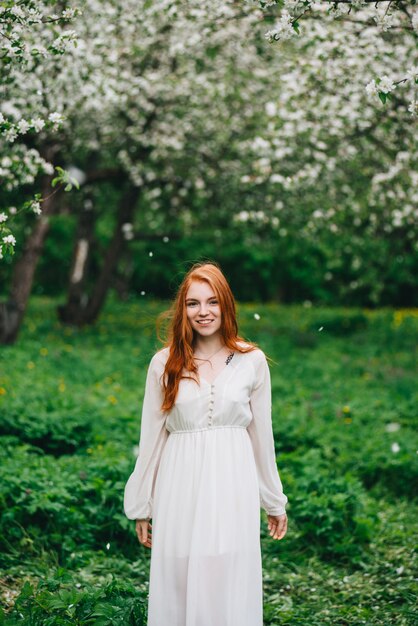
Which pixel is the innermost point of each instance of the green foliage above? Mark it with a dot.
(56, 600)
(342, 324)
(330, 509)
(53, 432)
(66, 504)
(396, 474)
(64, 178)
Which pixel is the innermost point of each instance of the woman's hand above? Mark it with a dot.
(143, 532)
(277, 525)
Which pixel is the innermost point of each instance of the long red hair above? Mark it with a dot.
(180, 335)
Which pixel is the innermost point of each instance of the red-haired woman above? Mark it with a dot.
(206, 464)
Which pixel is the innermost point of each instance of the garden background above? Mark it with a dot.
(278, 139)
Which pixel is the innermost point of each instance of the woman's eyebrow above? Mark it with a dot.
(196, 300)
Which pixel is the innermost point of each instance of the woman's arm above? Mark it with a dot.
(139, 490)
(260, 429)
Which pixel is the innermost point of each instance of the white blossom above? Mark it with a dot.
(48, 168)
(68, 13)
(271, 109)
(412, 73)
(413, 108)
(9, 239)
(10, 134)
(37, 123)
(17, 11)
(371, 88)
(384, 21)
(55, 118)
(36, 207)
(386, 84)
(283, 29)
(23, 127)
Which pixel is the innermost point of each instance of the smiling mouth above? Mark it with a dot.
(204, 322)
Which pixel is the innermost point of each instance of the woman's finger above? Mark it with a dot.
(143, 531)
(281, 528)
(279, 525)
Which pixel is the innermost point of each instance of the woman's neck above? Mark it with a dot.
(208, 345)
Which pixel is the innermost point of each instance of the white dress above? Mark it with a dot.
(202, 473)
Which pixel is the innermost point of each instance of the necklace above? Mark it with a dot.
(228, 358)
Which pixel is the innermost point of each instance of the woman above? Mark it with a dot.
(206, 464)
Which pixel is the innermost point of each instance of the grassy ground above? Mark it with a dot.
(344, 410)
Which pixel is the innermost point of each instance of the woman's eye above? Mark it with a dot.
(211, 303)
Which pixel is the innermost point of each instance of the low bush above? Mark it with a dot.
(58, 601)
(331, 510)
(341, 324)
(66, 504)
(55, 432)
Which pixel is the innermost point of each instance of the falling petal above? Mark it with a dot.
(392, 427)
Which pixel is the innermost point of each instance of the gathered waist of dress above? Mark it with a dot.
(198, 430)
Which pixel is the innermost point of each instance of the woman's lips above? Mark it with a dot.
(204, 322)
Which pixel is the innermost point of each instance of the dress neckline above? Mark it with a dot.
(218, 374)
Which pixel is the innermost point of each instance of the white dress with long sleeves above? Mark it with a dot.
(202, 473)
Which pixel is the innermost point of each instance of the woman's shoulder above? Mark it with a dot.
(256, 355)
(159, 358)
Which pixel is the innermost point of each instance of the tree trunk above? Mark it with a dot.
(13, 311)
(77, 289)
(80, 308)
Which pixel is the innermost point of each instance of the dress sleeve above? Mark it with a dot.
(260, 429)
(139, 489)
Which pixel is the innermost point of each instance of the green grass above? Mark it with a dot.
(344, 411)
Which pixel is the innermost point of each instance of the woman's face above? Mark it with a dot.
(203, 310)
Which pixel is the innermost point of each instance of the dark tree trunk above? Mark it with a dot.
(12, 312)
(77, 288)
(82, 308)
